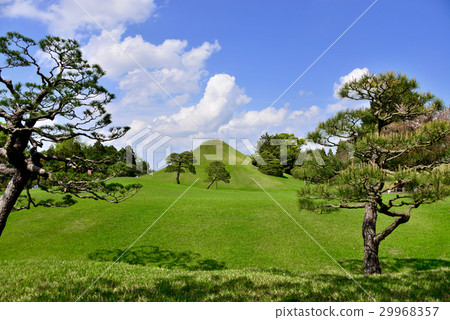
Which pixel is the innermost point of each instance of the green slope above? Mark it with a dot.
(237, 226)
(241, 170)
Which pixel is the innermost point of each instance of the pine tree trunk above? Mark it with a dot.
(178, 177)
(371, 261)
(9, 197)
(209, 185)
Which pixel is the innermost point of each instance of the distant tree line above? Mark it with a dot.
(99, 152)
(100, 159)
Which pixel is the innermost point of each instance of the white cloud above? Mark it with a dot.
(181, 99)
(195, 58)
(309, 114)
(355, 74)
(243, 125)
(170, 65)
(222, 96)
(118, 59)
(24, 8)
(65, 17)
(121, 59)
(305, 93)
(140, 87)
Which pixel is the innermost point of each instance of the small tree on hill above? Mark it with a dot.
(384, 156)
(66, 90)
(180, 162)
(217, 172)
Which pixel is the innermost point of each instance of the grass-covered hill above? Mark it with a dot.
(233, 243)
(239, 166)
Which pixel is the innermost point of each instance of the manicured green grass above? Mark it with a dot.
(66, 281)
(235, 227)
(240, 227)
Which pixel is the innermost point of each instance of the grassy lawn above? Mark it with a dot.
(219, 235)
(66, 281)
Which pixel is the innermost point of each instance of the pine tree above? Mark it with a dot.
(384, 157)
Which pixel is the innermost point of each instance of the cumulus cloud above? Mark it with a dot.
(308, 114)
(243, 124)
(167, 68)
(65, 17)
(217, 106)
(355, 74)
(172, 54)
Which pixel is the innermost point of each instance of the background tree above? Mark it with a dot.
(269, 148)
(315, 172)
(271, 165)
(217, 172)
(180, 162)
(68, 148)
(66, 90)
(382, 156)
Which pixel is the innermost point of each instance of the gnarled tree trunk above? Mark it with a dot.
(9, 197)
(209, 185)
(371, 261)
(178, 177)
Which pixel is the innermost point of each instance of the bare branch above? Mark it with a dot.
(7, 171)
(345, 205)
(36, 169)
(8, 84)
(3, 153)
(403, 218)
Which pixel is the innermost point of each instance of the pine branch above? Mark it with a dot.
(403, 218)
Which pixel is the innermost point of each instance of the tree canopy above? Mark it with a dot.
(64, 102)
(217, 172)
(313, 171)
(279, 153)
(180, 162)
(384, 152)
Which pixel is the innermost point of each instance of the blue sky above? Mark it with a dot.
(225, 61)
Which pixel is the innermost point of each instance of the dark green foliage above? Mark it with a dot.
(343, 152)
(3, 138)
(217, 172)
(154, 256)
(387, 141)
(180, 162)
(270, 147)
(394, 98)
(98, 160)
(313, 171)
(272, 166)
(65, 88)
(399, 142)
(25, 202)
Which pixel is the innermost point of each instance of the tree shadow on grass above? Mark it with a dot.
(428, 286)
(154, 256)
(395, 265)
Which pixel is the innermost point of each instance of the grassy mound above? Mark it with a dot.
(239, 166)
